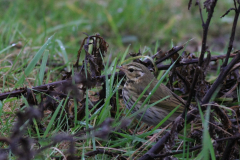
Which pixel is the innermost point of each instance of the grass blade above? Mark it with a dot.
(43, 66)
(64, 54)
(34, 61)
(50, 124)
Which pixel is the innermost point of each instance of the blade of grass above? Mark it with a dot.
(109, 91)
(60, 116)
(185, 135)
(17, 59)
(64, 54)
(50, 124)
(207, 143)
(43, 66)
(7, 48)
(34, 61)
(124, 54)
(14, 33)
(156, 47)
(4, 81)
(36, 127)
(87, 114)
(1, 108)
(61, 26)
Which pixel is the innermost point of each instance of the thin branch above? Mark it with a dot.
(45, 87)
(220, 78)
(205, 32)
(170, 53)
(160, 144)
(177, 152)
(79, 52)
(200, 62)
(157, 147)
(230, 45)
(227, 12)
(189, 4)
(200, 11)
(228, 150)
(192, 91)
(191, 61)
(235, 4)
(232, 139)
(102, 151)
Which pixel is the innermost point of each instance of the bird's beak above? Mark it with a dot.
(121, 68)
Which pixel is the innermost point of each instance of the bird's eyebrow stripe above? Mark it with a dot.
(135, 68)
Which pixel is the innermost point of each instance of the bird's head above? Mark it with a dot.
(136, 71)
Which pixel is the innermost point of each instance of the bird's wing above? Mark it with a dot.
(162, 92)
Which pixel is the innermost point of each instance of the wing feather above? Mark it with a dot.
(167, 104)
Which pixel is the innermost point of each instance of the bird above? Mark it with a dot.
(138, 78)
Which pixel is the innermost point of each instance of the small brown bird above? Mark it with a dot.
(138, 77)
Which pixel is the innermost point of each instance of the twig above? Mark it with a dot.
(192, 61)
(45, 87)
(170, 53)
(232, 138)
(230, 91)
(79, 52)
(227, 12)
(200, 62)
(205, 32)
(102, 151)
(200, 11)
(160, 144)
(220, 78)
(230, 45)
(15, 93)
(177, 152)
(189, 4)
(228, 149)
(151, 140)
(235, 4)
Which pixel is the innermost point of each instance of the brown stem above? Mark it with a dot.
(170, 53)
(230, 45)
(220, 78)
(232, 139)
(191, 61)
(200, 62)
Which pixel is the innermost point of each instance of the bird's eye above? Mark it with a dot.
(131, 70)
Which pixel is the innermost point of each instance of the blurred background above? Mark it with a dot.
(122, 23)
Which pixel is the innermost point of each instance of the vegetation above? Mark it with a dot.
(40, 44)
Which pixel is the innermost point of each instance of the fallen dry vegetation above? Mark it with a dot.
(187, 76)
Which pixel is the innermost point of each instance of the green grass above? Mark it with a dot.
(143, 24)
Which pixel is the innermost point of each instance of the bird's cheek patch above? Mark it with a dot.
(138, 76)
(141, 74)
